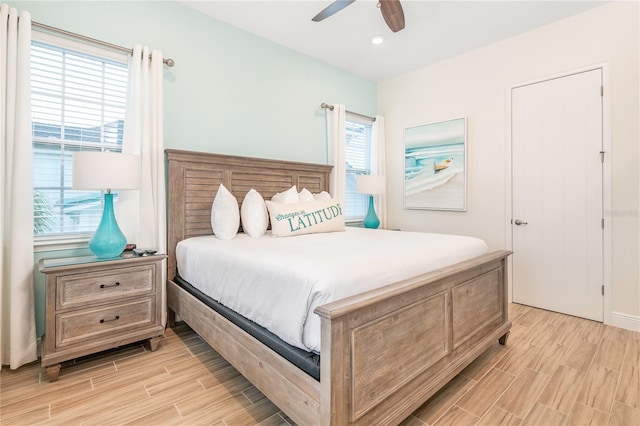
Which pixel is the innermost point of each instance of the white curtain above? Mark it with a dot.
(18, 344)
(378, 167)
(142, 213)
(336, 142)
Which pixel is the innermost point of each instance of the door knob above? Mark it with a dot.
(519, 222)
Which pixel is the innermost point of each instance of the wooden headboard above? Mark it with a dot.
(194, 178)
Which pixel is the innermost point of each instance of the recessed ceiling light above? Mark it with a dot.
(377, 39)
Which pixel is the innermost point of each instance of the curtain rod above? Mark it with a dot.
(169, 62)
(330, 108)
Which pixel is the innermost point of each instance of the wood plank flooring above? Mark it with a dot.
(555, 370)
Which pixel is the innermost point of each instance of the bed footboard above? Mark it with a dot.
(384, 353)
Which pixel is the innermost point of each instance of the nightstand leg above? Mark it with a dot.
(154, 342)
(52, 372)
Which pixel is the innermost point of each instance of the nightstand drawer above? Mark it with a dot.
(103, 286)
(92, 324)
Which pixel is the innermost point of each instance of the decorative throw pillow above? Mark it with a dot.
(290, 196)
(305, 195)
(253, 214)
(225, 215)
(305, 218)
(324, 195)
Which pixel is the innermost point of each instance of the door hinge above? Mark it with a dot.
(602, 156)
(602, 223)
(601, 91)
(603, 290)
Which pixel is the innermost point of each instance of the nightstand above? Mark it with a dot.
(97, 304)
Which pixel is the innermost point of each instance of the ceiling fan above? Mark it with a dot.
(391, 12)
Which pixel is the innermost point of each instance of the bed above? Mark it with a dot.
(384, 351)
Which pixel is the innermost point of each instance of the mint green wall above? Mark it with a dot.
(230, 92)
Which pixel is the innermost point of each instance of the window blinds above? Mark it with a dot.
(358, 151)
(78, 103)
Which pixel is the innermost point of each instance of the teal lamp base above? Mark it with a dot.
(108, 241)
(371, 220)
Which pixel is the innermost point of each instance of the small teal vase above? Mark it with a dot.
(371, 220)
(108, 241)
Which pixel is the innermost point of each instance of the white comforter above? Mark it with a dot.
(278, 282)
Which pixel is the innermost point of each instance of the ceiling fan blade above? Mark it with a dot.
(393, 14)
(333, 8)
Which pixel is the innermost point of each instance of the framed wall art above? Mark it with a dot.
(435, 166)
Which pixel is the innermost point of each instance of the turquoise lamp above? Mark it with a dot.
(371, 185)
(106, 171)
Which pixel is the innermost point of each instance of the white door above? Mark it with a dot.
(557, 194)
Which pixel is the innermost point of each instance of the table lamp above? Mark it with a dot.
(106, 171)
(372, 185)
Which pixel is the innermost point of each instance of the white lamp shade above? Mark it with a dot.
(368, 184)
(94, 170)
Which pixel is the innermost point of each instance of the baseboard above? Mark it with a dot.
(629, 322)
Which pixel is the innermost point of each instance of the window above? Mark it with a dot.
(358, 153)
(78, 103)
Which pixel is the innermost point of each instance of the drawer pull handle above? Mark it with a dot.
(116, 284)
(117, 317)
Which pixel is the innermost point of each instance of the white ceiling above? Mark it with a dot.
(434, 30)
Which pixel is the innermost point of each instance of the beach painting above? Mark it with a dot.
(435, 159)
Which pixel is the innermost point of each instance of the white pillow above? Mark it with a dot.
(225, 215)
(290, 196)
(305, 195)
(253, 214)
(324, 195)
(305, 218)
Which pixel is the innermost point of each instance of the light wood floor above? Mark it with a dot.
(555, 370)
